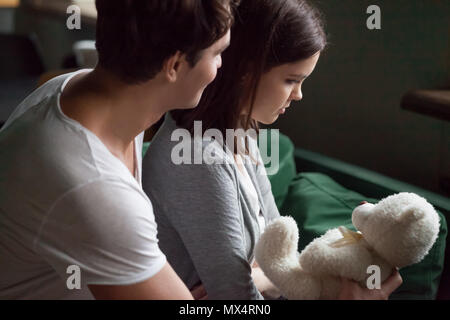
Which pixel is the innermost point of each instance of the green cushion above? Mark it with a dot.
(286, 171)
(145, 148)
(318, 203)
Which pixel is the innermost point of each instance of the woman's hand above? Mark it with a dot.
(351, 290)
(263, 284)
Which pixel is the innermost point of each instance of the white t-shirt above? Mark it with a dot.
(65, 200)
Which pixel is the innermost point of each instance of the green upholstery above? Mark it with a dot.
(145, 148)
(286, 172)
(367, 182)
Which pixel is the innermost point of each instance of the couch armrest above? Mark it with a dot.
(366, 182)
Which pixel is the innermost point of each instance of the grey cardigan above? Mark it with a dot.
(205, 225)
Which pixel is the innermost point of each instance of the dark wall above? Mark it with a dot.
(55, 39)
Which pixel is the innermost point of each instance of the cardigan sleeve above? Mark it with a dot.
(201, 202)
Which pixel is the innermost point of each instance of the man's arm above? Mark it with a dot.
(108, 230)
(165, 285)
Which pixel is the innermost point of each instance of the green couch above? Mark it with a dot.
(321, 192)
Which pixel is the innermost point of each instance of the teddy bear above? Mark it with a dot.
(396, 232)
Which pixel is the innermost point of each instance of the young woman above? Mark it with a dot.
(210, 215)
(74, 220)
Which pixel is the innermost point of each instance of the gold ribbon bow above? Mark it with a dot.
(348, 237)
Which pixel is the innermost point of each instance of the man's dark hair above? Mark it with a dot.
(135, 37)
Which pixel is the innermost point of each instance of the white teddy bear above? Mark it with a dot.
(396, 232)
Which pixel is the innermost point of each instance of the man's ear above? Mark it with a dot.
(172, 66)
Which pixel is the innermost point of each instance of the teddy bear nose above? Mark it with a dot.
(362, 202)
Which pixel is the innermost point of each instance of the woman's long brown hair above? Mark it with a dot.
(265, 34)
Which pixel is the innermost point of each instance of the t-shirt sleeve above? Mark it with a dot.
(107, 229)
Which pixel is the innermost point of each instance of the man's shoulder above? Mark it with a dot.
(40, 96)
(103, 200)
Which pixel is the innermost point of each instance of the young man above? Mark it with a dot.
(71, 201)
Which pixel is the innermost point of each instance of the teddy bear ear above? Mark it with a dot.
(411, 213)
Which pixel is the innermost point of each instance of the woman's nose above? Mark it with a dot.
(219, 62)
(297, 94)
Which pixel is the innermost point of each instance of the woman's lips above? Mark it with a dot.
(283, 110)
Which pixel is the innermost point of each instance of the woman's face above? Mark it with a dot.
(278, 87)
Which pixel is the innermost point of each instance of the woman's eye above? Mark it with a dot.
(290, 81)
